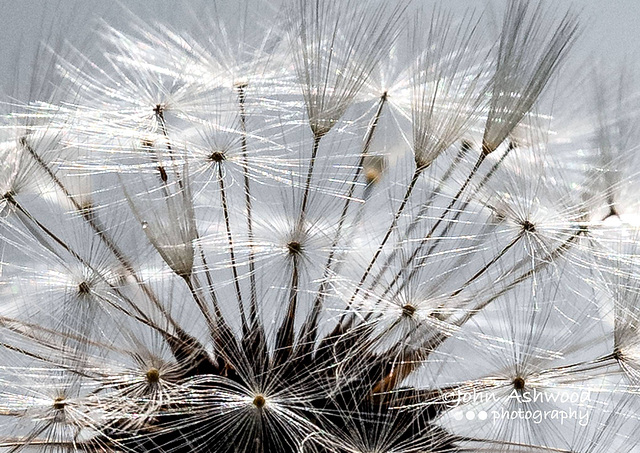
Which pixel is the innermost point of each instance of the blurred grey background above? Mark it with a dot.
(611, 32)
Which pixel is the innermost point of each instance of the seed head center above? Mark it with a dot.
(528, 226)
(83, 288)
(217, 156)
(59, 404)
(153, 375)
(259, 401)
(294, 247)
(518, 383)
(408, 310)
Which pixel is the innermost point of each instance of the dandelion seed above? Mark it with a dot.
(335, 48)
(529, 53)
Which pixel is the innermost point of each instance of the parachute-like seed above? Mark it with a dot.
(335, 47)
(529, 53)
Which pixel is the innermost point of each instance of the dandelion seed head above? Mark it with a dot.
(305, 230)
